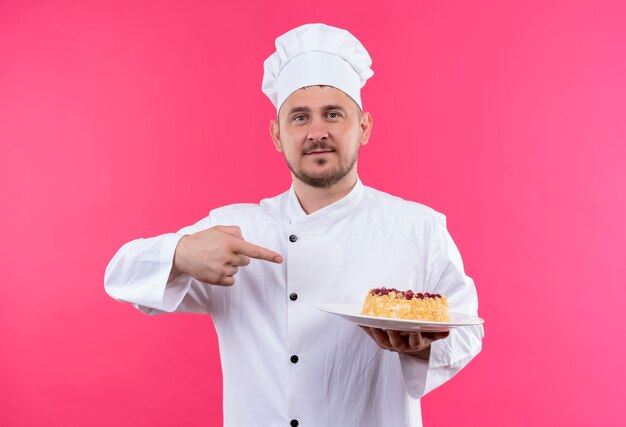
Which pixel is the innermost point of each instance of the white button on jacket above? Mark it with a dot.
(366, 240)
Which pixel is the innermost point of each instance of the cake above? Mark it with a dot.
(408, 305)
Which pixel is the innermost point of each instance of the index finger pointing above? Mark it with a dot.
(253, 251)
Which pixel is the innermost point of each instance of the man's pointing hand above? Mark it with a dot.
(215, 255)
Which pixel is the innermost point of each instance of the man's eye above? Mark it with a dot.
(298, 118)
(333, 115)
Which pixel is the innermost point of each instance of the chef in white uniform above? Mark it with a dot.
(261, 270)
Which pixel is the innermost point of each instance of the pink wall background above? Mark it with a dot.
(122, 120)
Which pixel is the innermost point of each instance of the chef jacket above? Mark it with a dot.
(284, 361)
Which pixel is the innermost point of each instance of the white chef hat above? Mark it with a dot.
(316, 54)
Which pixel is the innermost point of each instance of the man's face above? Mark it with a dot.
(319, 131)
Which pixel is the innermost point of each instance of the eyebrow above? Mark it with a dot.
(308, 110)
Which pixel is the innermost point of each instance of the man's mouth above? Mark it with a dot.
(317, 149)
(318, 152)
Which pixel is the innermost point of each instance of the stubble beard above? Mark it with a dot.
(328, 178)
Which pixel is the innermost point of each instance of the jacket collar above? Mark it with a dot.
(323, 217)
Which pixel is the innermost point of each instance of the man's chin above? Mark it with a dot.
(319, 174)
(320, 180)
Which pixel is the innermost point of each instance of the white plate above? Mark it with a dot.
(352, 312)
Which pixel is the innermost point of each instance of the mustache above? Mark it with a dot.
(316, 146)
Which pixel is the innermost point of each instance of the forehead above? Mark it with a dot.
(315, 97)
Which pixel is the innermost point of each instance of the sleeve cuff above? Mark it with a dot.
(415, 374)
(421, 376)
(142, 279)
(447, 357)
(171, 293)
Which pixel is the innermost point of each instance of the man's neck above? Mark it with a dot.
(313, 199)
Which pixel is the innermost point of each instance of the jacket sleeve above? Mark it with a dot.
(445, 275)
(139, 271)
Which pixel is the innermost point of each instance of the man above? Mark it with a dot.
(261, 270)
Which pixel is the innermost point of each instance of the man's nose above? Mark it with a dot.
(317, 130)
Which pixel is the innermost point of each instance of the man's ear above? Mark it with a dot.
(275, 133)
(366, 128)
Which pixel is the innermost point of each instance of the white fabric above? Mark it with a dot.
(367, 239)
(316, 54)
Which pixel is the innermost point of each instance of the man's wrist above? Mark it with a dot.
(422, 354)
